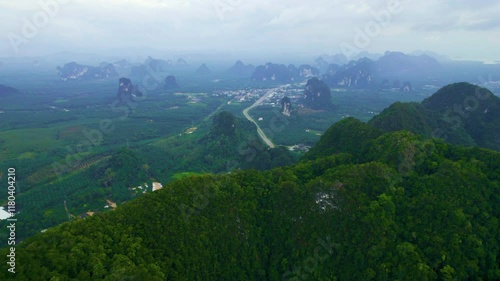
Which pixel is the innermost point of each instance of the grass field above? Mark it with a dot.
(15, 143)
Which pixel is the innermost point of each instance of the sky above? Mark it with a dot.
(460, 29)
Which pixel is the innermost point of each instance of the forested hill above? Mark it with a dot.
(387, 206)
(460, 113)
(227, 143)
(231, 143)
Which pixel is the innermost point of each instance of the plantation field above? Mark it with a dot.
(74, 148)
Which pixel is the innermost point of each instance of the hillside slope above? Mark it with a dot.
(404, 208)
(460, 113)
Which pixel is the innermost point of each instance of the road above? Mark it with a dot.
(259, 130)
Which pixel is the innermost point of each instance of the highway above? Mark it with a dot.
(259, 130)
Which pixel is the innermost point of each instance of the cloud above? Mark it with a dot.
(357, 8)
(483, 25)
(456, 15)
(296, 16)
(457, 22)
(468, 4)
(246, 25)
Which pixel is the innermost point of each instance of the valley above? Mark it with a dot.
(86, 149)
(249, 140)
(64, 152)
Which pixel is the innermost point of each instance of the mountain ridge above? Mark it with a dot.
(75, 71)
(362, 204)
(366, 73)
(461, 113)
(356, 211)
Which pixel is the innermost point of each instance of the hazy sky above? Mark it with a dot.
(461, 29)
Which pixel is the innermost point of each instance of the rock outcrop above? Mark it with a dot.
(127, 90)
(203, 70)
(239, 69)
(286, 106)
(366, 73)
(317, 94)
(171, 83)
(280, 73)
(75, 71)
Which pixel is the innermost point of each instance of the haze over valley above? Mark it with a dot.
(238, 140)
